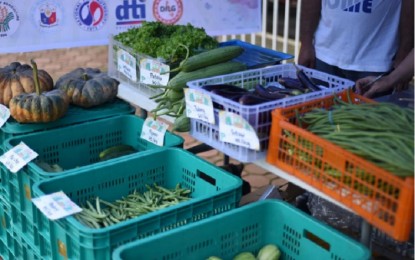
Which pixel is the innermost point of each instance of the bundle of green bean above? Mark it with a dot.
(101, 213)
(382, 133)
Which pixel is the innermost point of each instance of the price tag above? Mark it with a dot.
(17, 157)
(56, 205)
(154, 131)
(236, 130)
(154, 72)
(4, 114)
(126, 64)
(199, 105)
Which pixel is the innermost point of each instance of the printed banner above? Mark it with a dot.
(49, 24)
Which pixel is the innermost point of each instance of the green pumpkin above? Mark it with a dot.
(17, 78)
(88, 87)
(39, 107)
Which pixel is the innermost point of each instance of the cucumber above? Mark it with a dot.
(210, 57)
(116, 151)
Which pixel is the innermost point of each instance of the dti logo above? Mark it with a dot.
(9, 19)
(130, 13)
(91, 15)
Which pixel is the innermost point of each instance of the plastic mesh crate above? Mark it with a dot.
(213, 191)
(74, 115)
(248, 228)
(258, 116)
(253, 56)
(74, 148)
(386, 201)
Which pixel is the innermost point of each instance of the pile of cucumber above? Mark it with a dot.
(206, 64)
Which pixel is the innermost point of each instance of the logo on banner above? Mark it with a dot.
(91, 15)
(168, 12)
(9, 19)
(47, 15)
(130, 13)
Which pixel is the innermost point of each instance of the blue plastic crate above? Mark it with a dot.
(213, 191)
(248, 228)
(255, 56)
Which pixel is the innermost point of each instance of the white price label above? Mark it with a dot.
(4, 114)
(199, 105)
(126, 64)
(17, 157)
(154, 131)
(236, 130)
(56, 205)
(154, 72)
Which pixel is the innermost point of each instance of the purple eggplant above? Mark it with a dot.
(307, 82)
(230, 94)
(253, 99)
(291, 83)
(265, 93)
(223, 87)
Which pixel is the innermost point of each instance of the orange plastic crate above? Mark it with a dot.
(384, 200)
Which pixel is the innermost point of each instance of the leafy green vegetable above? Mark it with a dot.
(163, 41)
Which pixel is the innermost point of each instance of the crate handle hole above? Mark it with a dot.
(206, 177)
(316, 240)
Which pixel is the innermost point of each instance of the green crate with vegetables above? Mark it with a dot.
(134, 197)
(268, 229)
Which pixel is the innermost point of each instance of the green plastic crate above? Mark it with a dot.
(13, 243)
(213, 191)
(74, 115)
(248, 228)
(75, 148)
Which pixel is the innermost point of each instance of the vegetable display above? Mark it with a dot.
(99, 213)
(88, 87)
(39, 107)
(17, 78)
(267, 252)
(209, 63)
(382, 133)
(159, 40)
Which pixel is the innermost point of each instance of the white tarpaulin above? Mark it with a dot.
(31, 25)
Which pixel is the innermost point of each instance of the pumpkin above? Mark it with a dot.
(17, 78)
(88, 87)
(39, 107)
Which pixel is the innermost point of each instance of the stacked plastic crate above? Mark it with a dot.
(18, 234)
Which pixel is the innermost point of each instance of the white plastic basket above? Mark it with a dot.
(114, 47)
(258, 116)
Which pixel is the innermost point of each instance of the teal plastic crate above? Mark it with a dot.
(13, 242)
(74, 115)
(74, 148)
(248, 228)
(213, 191)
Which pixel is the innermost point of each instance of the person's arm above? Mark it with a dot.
(403, 73)
(406, 31)
(310, 17)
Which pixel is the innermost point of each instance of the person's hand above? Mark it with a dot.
(379, 86)
(307, 56)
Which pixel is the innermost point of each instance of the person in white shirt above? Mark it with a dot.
(355, 38)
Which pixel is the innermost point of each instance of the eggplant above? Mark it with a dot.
(291, 83)
(229, 94)
(253, 99)
(265, 93)
(307, 82)
(223, 86)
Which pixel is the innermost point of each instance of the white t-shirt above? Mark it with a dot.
(359, 35)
